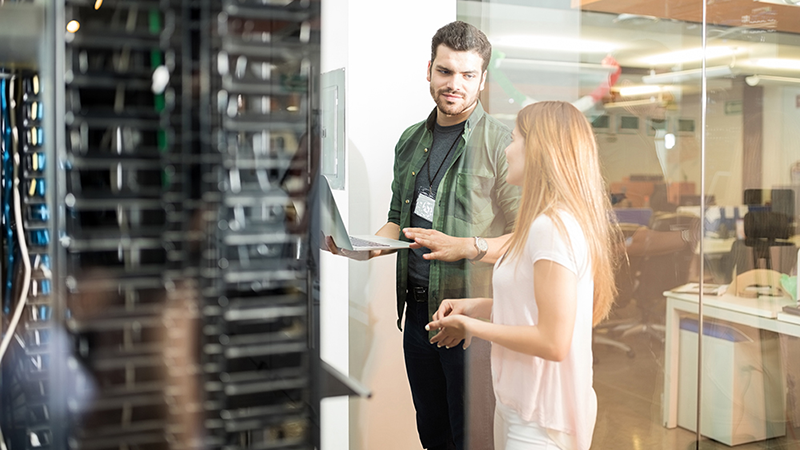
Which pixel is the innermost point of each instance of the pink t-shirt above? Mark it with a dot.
(558, 396)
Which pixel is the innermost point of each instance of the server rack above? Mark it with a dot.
(161, 260)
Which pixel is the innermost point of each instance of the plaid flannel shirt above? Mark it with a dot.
(473, 199)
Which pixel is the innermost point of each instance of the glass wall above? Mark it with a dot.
(695, 111)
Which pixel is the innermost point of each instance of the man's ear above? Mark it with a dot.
(483, 79)
(428, 75)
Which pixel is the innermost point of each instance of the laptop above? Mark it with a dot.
(331, 224)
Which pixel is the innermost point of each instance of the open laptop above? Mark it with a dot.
(331, 224)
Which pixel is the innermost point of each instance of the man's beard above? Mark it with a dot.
(452, 109)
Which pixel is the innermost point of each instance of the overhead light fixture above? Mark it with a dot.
(687, 75)
(554, 43)
(778, 63)
(691, 55)
(634, 103)
(73, 26)
(768, 80)
(629, 91)
(556, 66)
(782, 2)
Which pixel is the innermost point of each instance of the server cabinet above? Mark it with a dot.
(158, 278)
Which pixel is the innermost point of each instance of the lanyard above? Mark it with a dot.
(435, 174)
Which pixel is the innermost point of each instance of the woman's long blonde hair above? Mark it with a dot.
(562, 172)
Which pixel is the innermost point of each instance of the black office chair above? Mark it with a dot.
(659, 273)
(765, 245)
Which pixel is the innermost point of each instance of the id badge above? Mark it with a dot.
(425, 204)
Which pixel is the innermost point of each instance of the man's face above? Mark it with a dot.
(456, 79)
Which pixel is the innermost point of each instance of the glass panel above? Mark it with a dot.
(648, 128)
(749, 375)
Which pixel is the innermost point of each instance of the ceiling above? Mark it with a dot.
(742, 35)
(552, 51)
(735, 13)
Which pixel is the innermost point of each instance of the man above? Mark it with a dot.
(449, 193)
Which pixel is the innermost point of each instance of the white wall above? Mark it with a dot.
(781, 134)
(385, 58)
(333, 302)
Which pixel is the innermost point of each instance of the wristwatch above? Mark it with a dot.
(482, 246)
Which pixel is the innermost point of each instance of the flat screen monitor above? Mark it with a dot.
(774, 200)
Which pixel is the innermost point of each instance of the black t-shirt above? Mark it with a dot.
(440, 155)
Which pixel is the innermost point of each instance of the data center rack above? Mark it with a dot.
(170, 299)
(259, 344)
(130, 309)
(28, 192)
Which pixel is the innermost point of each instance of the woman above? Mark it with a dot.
(554, 283)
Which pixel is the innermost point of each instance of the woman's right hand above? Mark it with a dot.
(452, 306)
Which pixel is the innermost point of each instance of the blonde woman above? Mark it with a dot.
(554, 283)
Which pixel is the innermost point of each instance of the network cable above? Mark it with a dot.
(26, 264)
(5, 200)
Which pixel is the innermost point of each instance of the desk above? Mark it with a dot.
(762, 313)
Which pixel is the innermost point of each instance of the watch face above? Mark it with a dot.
(482, 244)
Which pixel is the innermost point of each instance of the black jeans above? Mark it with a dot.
(436, 376)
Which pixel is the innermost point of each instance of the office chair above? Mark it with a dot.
(765, 245)
(658, 273)
(625, 281)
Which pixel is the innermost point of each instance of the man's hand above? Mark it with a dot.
(442, 246)
(354, 255)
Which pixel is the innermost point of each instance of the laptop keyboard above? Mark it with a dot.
(356, 242)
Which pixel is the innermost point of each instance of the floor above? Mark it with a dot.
(629, 404)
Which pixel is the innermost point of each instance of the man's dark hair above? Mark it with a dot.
(462, 37)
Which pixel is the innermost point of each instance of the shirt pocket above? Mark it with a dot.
(474, 198)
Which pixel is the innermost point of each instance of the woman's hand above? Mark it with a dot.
(453, 329)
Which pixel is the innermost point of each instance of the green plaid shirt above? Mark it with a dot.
(473, 199)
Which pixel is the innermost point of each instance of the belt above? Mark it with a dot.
(418, 293)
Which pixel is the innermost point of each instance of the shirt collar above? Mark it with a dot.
(472, 120)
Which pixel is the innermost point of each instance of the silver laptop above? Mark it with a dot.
(331, 224)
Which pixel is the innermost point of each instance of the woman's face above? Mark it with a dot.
(515, 154)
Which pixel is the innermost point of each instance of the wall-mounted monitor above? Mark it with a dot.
(601, 123)
(685, 127)
(627, 124)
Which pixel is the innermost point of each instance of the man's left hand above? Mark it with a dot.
(442, 246)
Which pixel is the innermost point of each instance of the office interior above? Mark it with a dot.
(162, 287)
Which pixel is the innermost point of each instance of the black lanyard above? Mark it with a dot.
(430, 180)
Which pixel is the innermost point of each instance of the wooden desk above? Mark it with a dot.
(763, 313)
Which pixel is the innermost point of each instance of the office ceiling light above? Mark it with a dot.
(782, 2)
(778, 63)
(687, 75)
(98, 4)
(73, 26)
(635, 103)
(691, 55)
(768, 80)
(554, 66)
(629, 91)
(554, 43)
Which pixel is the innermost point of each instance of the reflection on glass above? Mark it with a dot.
(649, 126)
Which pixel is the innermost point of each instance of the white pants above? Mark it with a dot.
(511, 432)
